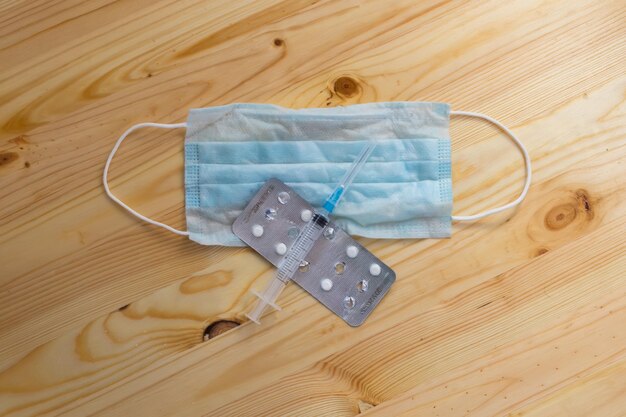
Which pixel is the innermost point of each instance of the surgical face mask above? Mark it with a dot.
(403, 191)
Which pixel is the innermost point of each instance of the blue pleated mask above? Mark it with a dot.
(403, 191)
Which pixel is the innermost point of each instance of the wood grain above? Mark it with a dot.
(519, 314)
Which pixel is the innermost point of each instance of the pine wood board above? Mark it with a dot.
(519, 314)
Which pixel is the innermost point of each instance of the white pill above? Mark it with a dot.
(352, 251)
(375, 269)
(306, 215)
(281, 248)
(326, 284)
(257, 230)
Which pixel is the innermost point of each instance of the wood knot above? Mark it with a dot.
(8, 157)
(217, 328)
(199, 283)
(568, 213)
(560, 216)
(346, 87)
(278, 42)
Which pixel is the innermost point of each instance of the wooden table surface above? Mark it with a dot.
(523, 313)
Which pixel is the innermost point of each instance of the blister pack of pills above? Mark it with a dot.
(331, 266)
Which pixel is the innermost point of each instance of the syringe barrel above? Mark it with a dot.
(301, 247)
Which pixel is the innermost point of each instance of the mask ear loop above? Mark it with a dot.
(521, 147)
(105, 174)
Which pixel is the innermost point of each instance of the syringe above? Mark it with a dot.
(287, 268)
(306, 239)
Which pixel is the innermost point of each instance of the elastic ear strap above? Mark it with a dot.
(105, 174)
(521, 147)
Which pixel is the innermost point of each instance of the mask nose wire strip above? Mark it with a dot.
(528, 168)
(105, 174)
